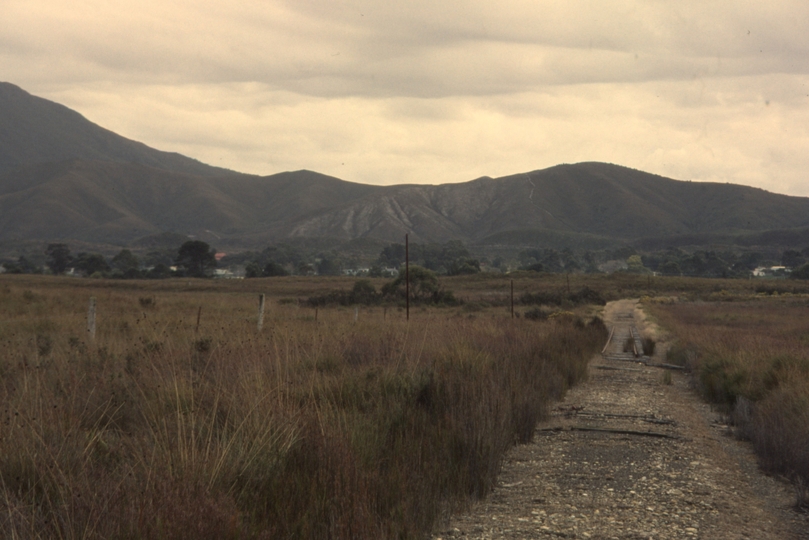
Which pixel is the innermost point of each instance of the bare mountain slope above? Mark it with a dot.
(595, 199)
(589, 204)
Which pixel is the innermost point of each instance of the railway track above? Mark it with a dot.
(627, 456)
(625, 344)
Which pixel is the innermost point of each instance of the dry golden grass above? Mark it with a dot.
(752, 357)
(316, 427)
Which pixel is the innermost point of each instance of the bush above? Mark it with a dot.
(541, 298)
(585, 295)
(649, 346)
(363, 292)
(536, 314)
(780, 431)
(802, 272)
(424, 288)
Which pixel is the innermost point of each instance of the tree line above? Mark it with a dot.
(670, 262)
(196, 258)
(192, 259)
(449, 258)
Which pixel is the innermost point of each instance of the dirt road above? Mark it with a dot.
(631, 454)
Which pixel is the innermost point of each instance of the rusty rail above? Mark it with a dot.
(612, 330)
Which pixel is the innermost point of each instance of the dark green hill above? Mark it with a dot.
(118, 203)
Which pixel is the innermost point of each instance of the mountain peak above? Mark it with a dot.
(36, 130)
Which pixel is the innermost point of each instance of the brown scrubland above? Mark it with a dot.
(181, 419)
(751, 358)
(316, 427)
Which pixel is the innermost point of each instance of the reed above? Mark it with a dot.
(324, 427)
(752, 358)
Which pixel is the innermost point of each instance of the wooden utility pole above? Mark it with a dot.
(512, 298)
(407, 277)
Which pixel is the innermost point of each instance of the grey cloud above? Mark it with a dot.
(427, 91)
(427, 49)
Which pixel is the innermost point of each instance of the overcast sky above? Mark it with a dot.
(431, 91)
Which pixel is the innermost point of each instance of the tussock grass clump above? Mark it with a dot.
(751, 358)
(328, 428)
(649, 346)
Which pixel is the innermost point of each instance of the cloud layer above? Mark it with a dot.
(432, 92)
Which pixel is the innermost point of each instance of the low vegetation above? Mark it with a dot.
(752, 358)
(194, 258)
(181, 419)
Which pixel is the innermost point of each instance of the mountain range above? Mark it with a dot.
(63, 178)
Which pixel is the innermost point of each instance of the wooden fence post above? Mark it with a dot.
(91, 318)
(512, 298)
(260, 312)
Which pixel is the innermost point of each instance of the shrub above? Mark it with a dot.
(802, 272)
(585, 295)
(649, 346)
(536, 314)
(751, 359)
(363, 292)
(780, 431)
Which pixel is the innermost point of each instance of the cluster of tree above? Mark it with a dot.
(726, 264)
(278, 260)
(550, 260)
(283, 260)
(424, 289)
(196, 259)
(801, 272)
(671, 262)
(22, 266)
(798, 262)
(193, 259)
(451, 258)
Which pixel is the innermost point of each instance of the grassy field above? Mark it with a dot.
(752, 358)
(182, 420)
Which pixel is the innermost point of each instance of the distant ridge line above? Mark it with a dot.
(64, 178)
